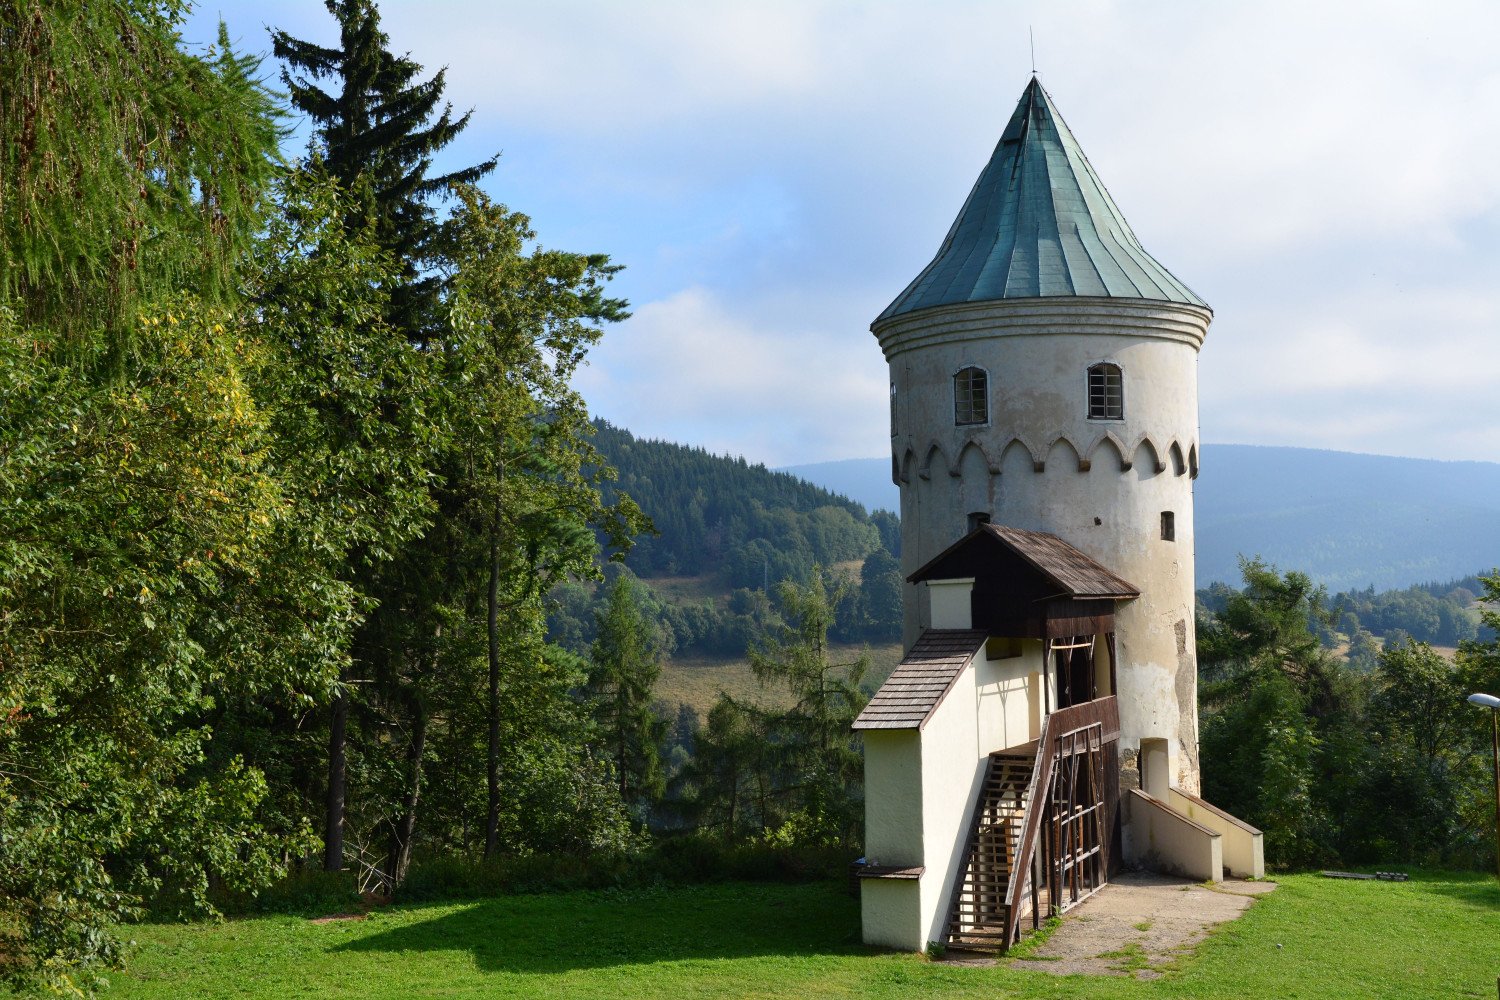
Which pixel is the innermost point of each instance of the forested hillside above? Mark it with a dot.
(739, 530)
(1347, 520)
(720, 515)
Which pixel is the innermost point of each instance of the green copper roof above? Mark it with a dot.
(1039, 223)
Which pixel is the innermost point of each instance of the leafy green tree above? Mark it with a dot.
(881, 584)
(376, 130)
(1479, 670)
(1413, 775)
(626, 665)
(505, 326)
(1276, 708)
(145, 565)
(1364, 651)
(523, 478)
(821, 753)
(151, 537)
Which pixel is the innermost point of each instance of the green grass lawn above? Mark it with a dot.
(1436, 936)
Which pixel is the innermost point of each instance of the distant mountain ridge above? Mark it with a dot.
(1347, 520)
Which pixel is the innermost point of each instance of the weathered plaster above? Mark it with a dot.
(1041, 464)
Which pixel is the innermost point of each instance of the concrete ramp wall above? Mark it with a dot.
(1244, 850)
(1158, 837)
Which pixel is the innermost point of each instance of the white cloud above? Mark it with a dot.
(772, 173)
(687, 369)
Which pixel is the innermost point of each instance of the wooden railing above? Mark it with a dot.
(1059, 731)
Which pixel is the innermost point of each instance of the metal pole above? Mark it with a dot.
(1495, 734)
(1492, 703)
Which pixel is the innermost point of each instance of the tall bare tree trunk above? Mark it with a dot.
(333, 819)
(492, 709)
(398, 857)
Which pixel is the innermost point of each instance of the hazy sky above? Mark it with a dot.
(1326, 175)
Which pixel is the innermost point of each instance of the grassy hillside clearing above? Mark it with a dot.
(697, 681)
(1436, 936)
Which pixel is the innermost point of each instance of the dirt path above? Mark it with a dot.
(1140, 925)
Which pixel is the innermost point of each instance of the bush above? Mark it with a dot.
(686, 860)
(303, 890)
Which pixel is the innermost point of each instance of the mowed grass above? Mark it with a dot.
(698, 681)
(1436, 936)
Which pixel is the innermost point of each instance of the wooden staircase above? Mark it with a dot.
(977, 918)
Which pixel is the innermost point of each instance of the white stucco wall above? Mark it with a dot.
(1037, 353)
(1243, 845)
(1005, 689)
(953, 761)
(891, 909)
(893, 797)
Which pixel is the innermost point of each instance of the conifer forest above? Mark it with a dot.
(318, 577)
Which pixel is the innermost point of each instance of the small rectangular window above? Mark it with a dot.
(1168, 526)
(1106, 393)
(971, 397)
(978, 519)
(893, 409)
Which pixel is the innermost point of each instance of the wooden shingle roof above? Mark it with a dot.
(918, 684)
(1073, 573)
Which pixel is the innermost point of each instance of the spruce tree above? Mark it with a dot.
(821, 756)
(626, 665)
(378, 126)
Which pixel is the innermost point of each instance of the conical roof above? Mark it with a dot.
(1039, 223)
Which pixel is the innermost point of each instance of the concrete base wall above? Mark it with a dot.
(1158, 838)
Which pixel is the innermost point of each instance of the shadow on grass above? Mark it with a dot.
(1479, 892)
(584, 930)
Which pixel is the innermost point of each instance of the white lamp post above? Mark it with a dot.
(1492, 703)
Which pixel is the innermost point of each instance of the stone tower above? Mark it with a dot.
(1044, 376)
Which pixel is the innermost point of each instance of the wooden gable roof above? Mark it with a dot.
(1042, 559)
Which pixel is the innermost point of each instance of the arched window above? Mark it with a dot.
(1106, 392)
(971, 404)
(893, 409)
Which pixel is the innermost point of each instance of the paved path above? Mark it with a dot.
(1140, 925)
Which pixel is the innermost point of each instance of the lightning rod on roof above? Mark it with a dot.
(1032, 34)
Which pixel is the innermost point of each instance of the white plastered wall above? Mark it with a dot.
(1162, 839)
(950, 600)
(890, 909)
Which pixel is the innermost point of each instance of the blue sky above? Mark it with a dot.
(1326, 175)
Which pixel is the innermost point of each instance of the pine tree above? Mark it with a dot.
(378, 128)
(626, 666)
